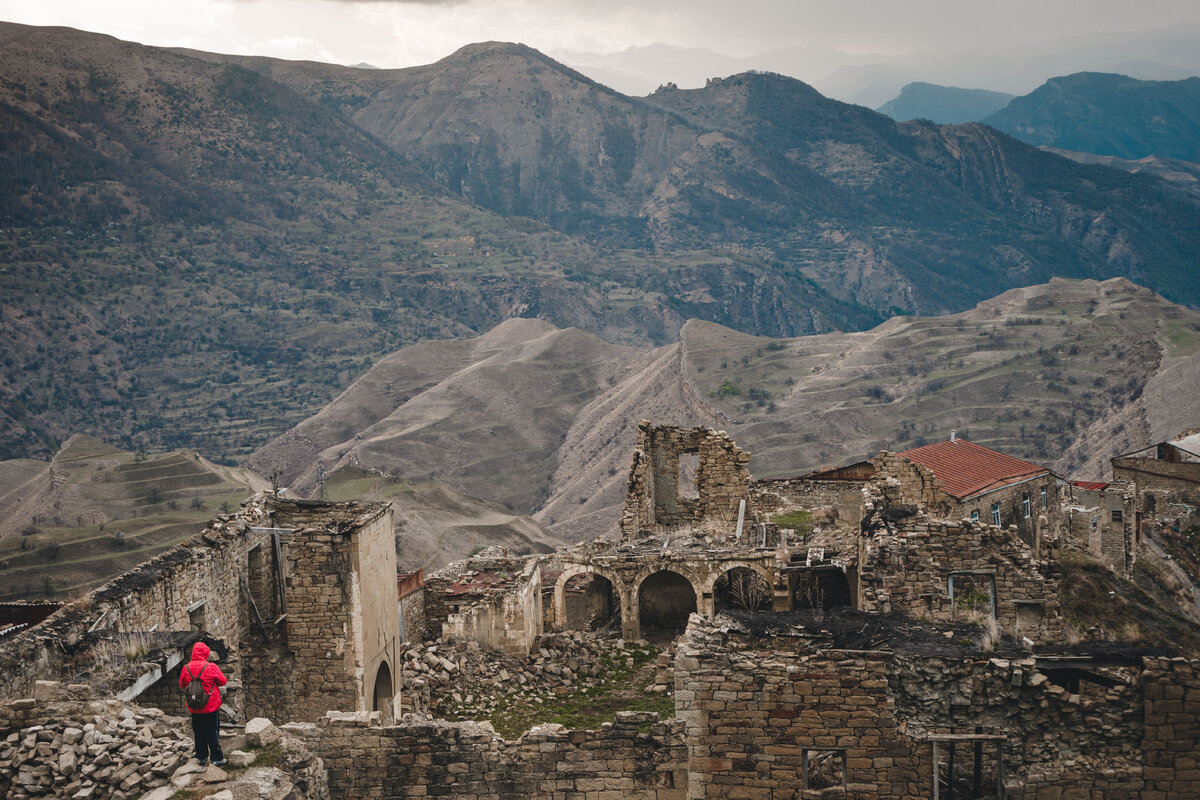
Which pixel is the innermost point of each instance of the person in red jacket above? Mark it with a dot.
(205, 725)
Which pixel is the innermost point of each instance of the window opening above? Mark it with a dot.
(823, 768)
(972, 594)
(974, 516)
(1025, 505)
(196, 617)
(966, 765)
(689, 468)
(1043, 497)
(996, 514)
(1118, 515)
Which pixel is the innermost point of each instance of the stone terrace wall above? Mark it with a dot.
(906, 568)
(635, 758)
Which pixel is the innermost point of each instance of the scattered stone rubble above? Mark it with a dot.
(64, 744)
(462, 679)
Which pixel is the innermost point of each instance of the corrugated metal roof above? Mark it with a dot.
(967, 469)
(1091, 486)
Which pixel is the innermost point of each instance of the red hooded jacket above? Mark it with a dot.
(210, 675)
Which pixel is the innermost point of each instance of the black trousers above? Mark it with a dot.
(205, 727)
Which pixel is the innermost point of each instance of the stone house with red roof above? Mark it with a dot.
(977, 483)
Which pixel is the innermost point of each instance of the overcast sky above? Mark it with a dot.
(395, 33)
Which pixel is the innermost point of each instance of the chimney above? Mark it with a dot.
(953, 434)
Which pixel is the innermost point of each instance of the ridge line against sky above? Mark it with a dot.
(398, 33)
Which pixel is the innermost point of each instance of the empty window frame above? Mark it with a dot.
(972, 592)
(823, 768)
(1118, 516)
(974, 516)
(996, 514)
(1044, 497)
(1025, 506)
(196, 618)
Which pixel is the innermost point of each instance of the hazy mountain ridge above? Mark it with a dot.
(945, 105)
(196, 255)
(1108, 115)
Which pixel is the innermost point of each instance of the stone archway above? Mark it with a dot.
(665, 600)
(383, 696)
(611, 605)
(742, 588)
(709, 586)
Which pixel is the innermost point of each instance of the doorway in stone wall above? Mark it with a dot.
(383, 693)
(742, 589)
(821, 588)
(665, 601)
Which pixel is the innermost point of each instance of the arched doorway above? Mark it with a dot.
(383, 693)
(742, 589)
(665, 600)
(820, 588)
(591, 603)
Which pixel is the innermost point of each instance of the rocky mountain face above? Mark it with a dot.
(1067, 374)
(1108, 115)
(202, 251)
(946, 105)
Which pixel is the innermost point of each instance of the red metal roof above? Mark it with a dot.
(967, 469)
(1091, 486)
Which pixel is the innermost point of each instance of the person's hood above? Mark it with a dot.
(200, 652)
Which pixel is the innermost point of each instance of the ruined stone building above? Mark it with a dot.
(297, 596)
(852, 633)
(1165, 479)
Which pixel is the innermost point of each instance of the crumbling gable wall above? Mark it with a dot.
(654, 498)
(509, 621)
(908, 566)
(1102, 521)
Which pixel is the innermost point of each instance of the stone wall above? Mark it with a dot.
(750, 717)
(412, 616)
(654, 499)
(342, 620)
(1093, 525)
(1181, 477)
(837, 504)
(906, 567)
(509, 621)
(752, 707)
(200, 579)
(635, 758)
(1172, 742)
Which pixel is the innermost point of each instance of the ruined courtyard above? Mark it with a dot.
(888, 629)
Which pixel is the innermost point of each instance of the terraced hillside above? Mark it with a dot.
(94, 511)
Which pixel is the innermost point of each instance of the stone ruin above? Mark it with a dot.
(833, 636)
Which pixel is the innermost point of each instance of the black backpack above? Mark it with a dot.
(194, 694)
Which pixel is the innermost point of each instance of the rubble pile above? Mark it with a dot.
(108, 754)
(460, 678)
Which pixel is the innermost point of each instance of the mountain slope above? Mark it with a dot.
(1108, 115)
(196, 255)
(946, 105)
(875, 212)
(203, 250)
(1067, 374)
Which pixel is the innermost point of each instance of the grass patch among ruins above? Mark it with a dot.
(623, 686)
